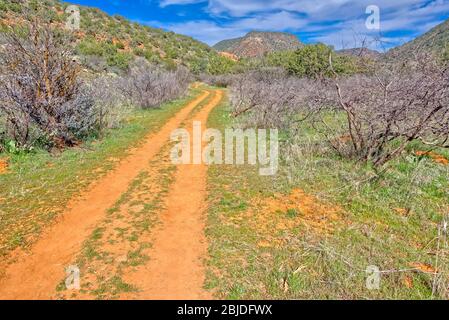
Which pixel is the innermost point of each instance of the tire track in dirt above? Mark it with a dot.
(35, 274)
(179, 247)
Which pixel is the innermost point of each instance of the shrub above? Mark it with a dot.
(169, 64)
(139, 52)
(111, 106)
(271, 98)
(148, 86)
(40, 89)
(400, 103)
(223, 81)
(312, 61)
(120, 45)
(280, 59)
(95, 63)
(121, 60)
(79, 115)
(198, 65)
(370, 118)
(220, 65)
(171, 53)
(91, 47)
(14, 6)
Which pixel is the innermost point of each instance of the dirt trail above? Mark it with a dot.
(35, 274)
(176, 267)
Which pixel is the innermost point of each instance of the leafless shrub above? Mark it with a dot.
(149, 86)
(78, 115)
(43, 98)
(40, 87)
(398, 104)
(98, 106)
(223, 81)
(368, 117)
(111, 105)
(271, 98)
(95, 63)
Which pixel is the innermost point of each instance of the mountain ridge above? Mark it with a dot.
(258, 43)
(361, 52)
(435, 40)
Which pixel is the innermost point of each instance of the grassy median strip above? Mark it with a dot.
(121, 241)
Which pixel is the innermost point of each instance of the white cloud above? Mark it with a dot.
(276, 22)
(335, 22)
(211, 32)
(205, 31)
(165, 3)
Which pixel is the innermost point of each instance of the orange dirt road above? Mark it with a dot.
(176, 267)
(35, 274)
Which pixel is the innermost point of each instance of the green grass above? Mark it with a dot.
(39, 185)
(298, 263)
(114, 286)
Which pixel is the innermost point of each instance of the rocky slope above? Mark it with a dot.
(257, 44)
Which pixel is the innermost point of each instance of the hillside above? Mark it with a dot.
(436, 40)
(225, 45)
(257, 44)
(111, 41)
(361, 52)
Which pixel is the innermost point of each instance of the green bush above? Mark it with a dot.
(219, 65)
(12, 6)
(170, 64)
(152, 57)
(171, 53)
(3, 5)
(120, 45)
(139, 39)
(280, 59)
(198, 65)
(120, 60)
(313, 61)
(91, 47)
(139, 52)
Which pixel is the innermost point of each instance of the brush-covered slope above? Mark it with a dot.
(361, 53)
(111, 41)
(436, 40)
(257, 44)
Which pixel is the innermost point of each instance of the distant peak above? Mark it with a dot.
(259, 43)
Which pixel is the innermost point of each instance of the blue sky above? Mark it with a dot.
(340, 23)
